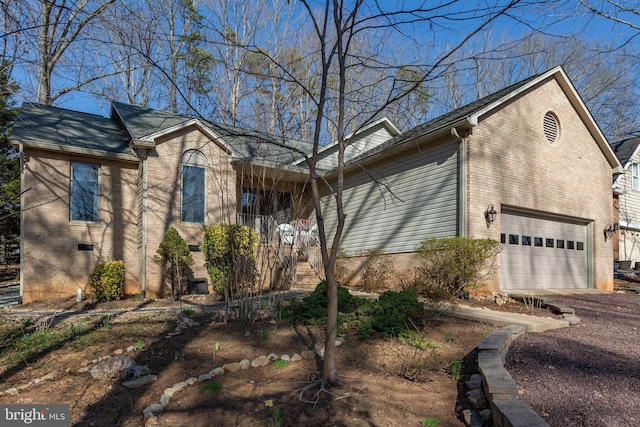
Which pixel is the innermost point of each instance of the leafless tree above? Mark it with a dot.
(59, 26)
(349, 38)
(604, 75)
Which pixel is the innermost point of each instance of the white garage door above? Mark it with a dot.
(542, 254)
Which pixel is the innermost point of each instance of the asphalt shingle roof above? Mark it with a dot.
(447, 119)
(624, 149)
(141, 122)
(56, 126)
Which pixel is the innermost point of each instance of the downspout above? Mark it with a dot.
(462, 183)
(22, 192)
(143, 249)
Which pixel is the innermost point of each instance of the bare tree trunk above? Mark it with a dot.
(60, 25)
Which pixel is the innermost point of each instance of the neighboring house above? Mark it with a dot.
(97, 189)
(626, 200)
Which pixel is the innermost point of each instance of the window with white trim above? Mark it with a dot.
(193, 186)
(84, 192)
(635, 176)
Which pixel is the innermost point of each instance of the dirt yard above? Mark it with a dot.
(384, 382)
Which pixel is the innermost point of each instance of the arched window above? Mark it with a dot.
(193, 186)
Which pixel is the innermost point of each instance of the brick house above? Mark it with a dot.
(527, 165)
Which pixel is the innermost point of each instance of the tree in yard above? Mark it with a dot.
(50, 41)
(175, 258)
(604, 75)
(349, 41)
(9, 165)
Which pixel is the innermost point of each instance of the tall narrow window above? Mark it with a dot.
(84, 192)
(193, 186)
(635, 176)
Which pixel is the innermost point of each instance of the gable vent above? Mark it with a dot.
(551, 128)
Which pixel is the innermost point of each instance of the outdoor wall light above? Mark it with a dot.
(490, 215)
(610, 229)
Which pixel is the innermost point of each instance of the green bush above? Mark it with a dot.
(392, 313)
(107, 280)
(229, 252)
(452, 265)
(174, 256)
(313, 309)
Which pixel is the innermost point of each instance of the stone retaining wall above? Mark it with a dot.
(500, 389)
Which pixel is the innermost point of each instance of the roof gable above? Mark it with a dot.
(469, 115)
(146, 124)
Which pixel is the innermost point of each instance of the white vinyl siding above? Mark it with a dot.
(416, 199)
(629, 200)
(635, 176)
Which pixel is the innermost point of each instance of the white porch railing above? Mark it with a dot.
(287, 241)
(309, 245)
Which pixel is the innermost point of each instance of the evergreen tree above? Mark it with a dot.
(9, 166)
(174, 256)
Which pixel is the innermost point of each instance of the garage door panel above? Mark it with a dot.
(535, 266)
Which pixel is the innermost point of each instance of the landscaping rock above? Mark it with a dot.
(165, 399)
(296, 357)
(152, 410)
(285, 357)
(204, 377)
(272, 357)
(170, 391)
(216, 371)
(472, 418)
(12, 391)
(134, 372)
(244, 364)
(571, 318)
(260, 361)
(137, 382)
(112, 367)
(477, 399)
(232, 367)
(191, 380)
(474, 384)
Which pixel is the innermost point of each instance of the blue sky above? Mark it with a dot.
(564, 21)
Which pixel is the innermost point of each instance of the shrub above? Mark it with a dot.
(376, 272)
(341, 270)
(313, 309)
(229, 252)
(391, 313)
(107, 280)
(174, 256)
(452, 265)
